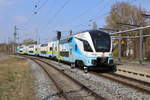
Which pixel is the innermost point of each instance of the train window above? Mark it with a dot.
(44, 45)
(70, 39)
(67, 40)
(51, 48)
(43, 52)
(76, 47)
(64, 53)
(21, 47)
(31, 46)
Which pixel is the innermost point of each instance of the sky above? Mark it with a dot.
(53, 15)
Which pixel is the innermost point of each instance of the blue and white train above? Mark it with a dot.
(89, 50)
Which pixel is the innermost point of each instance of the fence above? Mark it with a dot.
(135, 47)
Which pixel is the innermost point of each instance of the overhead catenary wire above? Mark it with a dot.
(49, 12)
(37, 3)
(103, 14)
(52, 7)
(37, 6)
(58, 11)
(132, 1)
(35, 13)
(56, 14)
(85, 12)
(88, 9)
(131, 30)
(53, 18)
(99, 16)
(42, 5)
(96, 17)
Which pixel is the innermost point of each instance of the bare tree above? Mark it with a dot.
(28, 42)
(131, 16)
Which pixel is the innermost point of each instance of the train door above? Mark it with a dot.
(53, 48)
(71, 52)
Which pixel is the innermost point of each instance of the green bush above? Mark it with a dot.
(115, 52)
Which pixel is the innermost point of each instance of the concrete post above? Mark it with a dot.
(141, 47)
(120, 47)
(15, 34)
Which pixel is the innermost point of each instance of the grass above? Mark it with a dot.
(15, 80)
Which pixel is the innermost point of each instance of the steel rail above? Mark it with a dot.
(132, 79)
(99, 97)
(61, 92)
(124, 82)
(113, 77)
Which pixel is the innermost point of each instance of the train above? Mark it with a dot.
(91, 49)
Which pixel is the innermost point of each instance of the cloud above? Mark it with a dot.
(20, 19)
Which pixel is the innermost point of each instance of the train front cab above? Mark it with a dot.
(95, 50)
(100, 63)
(21, 49)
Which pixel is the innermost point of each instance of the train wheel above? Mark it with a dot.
(50, 57)
(77, 63)
(72, 65)
(85, 69)
(114, 68)
(81, 64)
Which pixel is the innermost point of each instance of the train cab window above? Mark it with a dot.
(87, 46)
(101, 41)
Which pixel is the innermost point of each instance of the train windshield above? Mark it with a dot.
(101, 41)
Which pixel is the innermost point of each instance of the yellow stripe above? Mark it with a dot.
(49, 51)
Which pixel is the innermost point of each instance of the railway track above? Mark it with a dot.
(131, 82)
(127, 81)
(68, 87)
(138, 85)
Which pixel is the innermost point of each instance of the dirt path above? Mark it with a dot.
(15, 79)
(3, 56)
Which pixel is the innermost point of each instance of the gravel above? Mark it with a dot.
(108, 89)
(44, 88)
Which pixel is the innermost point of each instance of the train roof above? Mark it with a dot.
(68, 38)
(94, 31)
